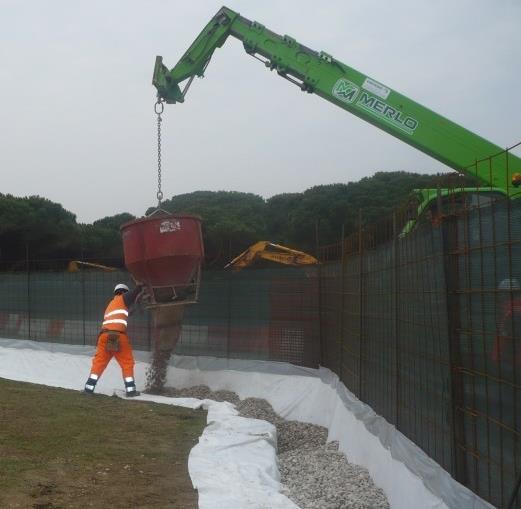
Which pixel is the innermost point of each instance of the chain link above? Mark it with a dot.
(158, 108)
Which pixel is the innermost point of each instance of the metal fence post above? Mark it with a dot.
(452, 283)
(28, 268)
(323, 361)
(82, 272)
(317, 239)
(341, 307)
(229, 318)
(515, 331)
(361, 302)
(396, 283)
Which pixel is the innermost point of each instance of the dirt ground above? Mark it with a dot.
(61, 449)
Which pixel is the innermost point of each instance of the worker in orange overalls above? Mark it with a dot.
(113, 340)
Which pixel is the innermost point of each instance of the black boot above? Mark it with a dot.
(91, 384)
(130, 387)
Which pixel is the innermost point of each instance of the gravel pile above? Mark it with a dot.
(322, 478)
(315, 475)
(291, 435)
(201, 392)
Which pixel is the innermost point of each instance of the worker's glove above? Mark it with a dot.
(143, 297)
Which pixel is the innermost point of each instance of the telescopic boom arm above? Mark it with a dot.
(346, 87)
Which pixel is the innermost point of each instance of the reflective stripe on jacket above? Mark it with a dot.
(116, 315)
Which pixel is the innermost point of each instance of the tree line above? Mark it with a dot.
(38, 228)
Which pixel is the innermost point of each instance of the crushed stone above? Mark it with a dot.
(314, 473)
(166, 330)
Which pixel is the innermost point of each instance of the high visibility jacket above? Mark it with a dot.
(116, 315)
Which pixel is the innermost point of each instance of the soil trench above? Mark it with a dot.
(314, 473)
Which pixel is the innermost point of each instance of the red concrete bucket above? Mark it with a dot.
(165, 251)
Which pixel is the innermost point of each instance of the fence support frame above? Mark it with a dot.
(451, 257)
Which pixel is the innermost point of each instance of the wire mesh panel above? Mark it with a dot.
(330, 309)
(423, 364)
(60, 306)
(207, 325)
(267, 314)
(15, 304)
(350, 337)
(487, 250)
(378, 340)
(426, 328)
(256, 314)
(293, 312)
(385, 331)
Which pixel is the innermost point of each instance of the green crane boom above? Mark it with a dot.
(320, 73)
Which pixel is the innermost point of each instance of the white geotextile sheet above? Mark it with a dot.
(409, 478)
(234, 464)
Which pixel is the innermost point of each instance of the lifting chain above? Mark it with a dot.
(158, 108)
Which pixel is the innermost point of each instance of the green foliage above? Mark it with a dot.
(43, 229)
(102, 239)
(232, 221)
(35, 221)
(323, 210)
(114, 222)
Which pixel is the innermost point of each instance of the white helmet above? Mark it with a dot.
(509, 284)
(120, 286)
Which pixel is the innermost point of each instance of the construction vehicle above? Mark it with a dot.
(499, 172)
(436, 204)
(264, 250)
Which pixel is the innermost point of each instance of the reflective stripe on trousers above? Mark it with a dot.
(124, 356)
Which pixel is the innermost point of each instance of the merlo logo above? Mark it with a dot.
(345, 90)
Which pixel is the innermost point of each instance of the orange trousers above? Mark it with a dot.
(124, 356)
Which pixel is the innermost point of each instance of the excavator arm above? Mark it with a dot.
(264, 250)
(321, 74)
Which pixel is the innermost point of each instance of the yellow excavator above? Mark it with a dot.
(74, 266)
(265, 250)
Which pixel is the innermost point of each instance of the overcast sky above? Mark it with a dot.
(76, 101)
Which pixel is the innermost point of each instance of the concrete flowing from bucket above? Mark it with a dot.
(167, 322)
